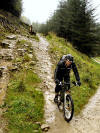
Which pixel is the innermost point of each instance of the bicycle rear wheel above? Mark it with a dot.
(68, 107)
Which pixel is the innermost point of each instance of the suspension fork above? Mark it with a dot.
(65, 95)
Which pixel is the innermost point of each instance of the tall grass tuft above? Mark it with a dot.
(24, 103)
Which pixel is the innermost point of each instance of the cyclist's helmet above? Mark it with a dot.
(69, 57)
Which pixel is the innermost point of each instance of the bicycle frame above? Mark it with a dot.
(63, 94)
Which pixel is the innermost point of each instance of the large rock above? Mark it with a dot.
(6, 54)
(30, 55)
(5, 44)
(8, 57)
(13, 68)
(32, 63)
(26, 45)
(11, 37)
(31, 52)
(1, 70)
(21, 52)
(45, 127)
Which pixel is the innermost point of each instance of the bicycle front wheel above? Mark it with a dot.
(68, 107)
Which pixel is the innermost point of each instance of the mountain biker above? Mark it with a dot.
(62, 72)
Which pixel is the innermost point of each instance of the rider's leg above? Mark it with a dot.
(67, 80)
(57, 89)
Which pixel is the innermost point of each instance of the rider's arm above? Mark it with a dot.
(75, 72)
(57, 72)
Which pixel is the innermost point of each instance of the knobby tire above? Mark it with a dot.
(72, 108)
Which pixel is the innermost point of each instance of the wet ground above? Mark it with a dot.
(44, 67)
(87, 122)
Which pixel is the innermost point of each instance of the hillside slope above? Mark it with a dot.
(21, 98)
(27, 65)
(88, 70)
(11, 24)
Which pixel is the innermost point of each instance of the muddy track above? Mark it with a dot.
(87, 122)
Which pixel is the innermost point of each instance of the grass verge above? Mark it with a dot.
(35, 37)
(88, 70)
(24, 103)
(97, 59)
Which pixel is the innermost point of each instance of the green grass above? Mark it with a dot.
(2, 36)
(13, 24)
(35, 37)
(22, 44)
(24, 99)
(24, 103)
(26, 58)
(89, 71)
(97, 59)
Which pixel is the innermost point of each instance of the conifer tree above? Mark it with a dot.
(74, 21)
(13, 6)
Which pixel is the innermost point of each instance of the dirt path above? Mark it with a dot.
(87, 122)
(44, 67)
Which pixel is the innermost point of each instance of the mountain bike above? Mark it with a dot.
(64, 97)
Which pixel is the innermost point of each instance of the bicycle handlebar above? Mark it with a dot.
(64, 83)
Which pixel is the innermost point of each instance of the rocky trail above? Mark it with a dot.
(87, 122)
(6, 56)
(8, 53)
